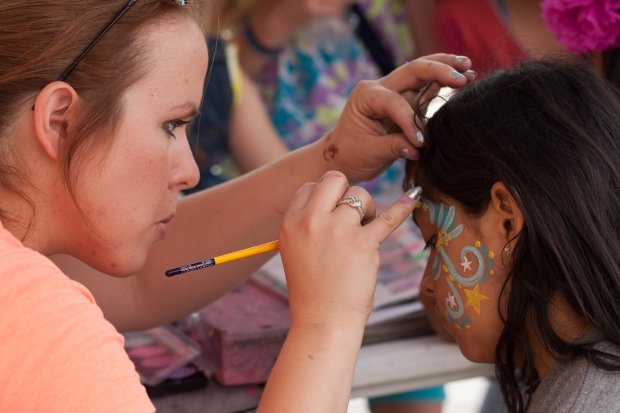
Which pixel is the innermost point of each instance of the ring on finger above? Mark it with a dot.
(352, 201)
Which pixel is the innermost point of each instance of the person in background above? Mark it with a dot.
(233, 133)
(590, 29)
(306, 68)
(495, 33)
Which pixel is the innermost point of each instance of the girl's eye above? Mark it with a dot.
(430, 242)
(171, 125)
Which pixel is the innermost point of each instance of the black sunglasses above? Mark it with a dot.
(129, 5)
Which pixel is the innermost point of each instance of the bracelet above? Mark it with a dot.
(255, 44)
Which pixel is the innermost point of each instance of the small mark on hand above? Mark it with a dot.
(330, 152)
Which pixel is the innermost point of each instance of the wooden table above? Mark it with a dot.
(416, 363)
(384, 368)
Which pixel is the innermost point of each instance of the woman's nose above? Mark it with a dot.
(185, 172)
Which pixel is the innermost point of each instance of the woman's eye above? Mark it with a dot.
(430, 243)
(171, 125)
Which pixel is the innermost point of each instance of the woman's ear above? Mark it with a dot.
(504, 206)
(50, 109)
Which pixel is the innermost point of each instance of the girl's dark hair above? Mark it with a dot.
(550, 131)
(611, 66)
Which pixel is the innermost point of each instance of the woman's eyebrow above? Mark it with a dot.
(190, 106)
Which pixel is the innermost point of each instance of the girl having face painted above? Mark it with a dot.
(520, 213)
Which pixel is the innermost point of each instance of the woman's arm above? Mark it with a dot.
(248, 210)
(420, 17)
(253, 140)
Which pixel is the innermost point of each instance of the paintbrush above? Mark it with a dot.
(233, 256)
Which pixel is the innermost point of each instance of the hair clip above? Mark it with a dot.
(180, 2)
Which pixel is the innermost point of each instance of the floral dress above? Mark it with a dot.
(307, 86)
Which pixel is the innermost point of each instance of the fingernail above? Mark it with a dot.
(472, 73)
(415, 193)
(420, 137)
(456, 75)
(407, 155)
(460, 58)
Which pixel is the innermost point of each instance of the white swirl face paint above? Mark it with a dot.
(465, 283)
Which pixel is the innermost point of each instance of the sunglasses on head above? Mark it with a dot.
(129, 5)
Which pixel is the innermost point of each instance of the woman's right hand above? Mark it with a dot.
(331, 262)
(331, 257)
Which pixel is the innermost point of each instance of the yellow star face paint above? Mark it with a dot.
(476, 262)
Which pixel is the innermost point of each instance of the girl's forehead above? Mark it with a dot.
(422, 213)
(437, 214)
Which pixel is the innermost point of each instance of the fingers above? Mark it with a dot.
(442, 68)
(328, 192)
(386, 222)
(347, 212)
(383, 103)
(470, 75)
(301, 197)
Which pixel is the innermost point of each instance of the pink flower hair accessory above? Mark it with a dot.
(584, 26)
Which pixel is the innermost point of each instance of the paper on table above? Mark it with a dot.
(400, 272)
(389, 313)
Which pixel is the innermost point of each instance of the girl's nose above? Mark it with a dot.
(427, 286)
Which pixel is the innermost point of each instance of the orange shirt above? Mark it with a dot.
(57, 352)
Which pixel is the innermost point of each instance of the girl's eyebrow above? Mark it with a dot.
(414, 220)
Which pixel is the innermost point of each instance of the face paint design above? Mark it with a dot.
(449, 229)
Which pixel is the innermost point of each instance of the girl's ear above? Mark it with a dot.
(506, 209)
(50, 109)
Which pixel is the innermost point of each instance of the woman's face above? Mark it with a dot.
(465, 275)
(131, 196)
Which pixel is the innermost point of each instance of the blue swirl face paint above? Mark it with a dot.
(449, 229)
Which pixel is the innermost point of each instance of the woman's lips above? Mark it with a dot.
(161, 226)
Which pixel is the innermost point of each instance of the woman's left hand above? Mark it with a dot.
(365, 142)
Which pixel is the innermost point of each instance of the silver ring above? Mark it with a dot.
(353, 202)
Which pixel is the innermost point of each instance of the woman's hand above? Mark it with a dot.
(377, 124)
(331, 262)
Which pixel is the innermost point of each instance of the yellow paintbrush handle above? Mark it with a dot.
(248, 252)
